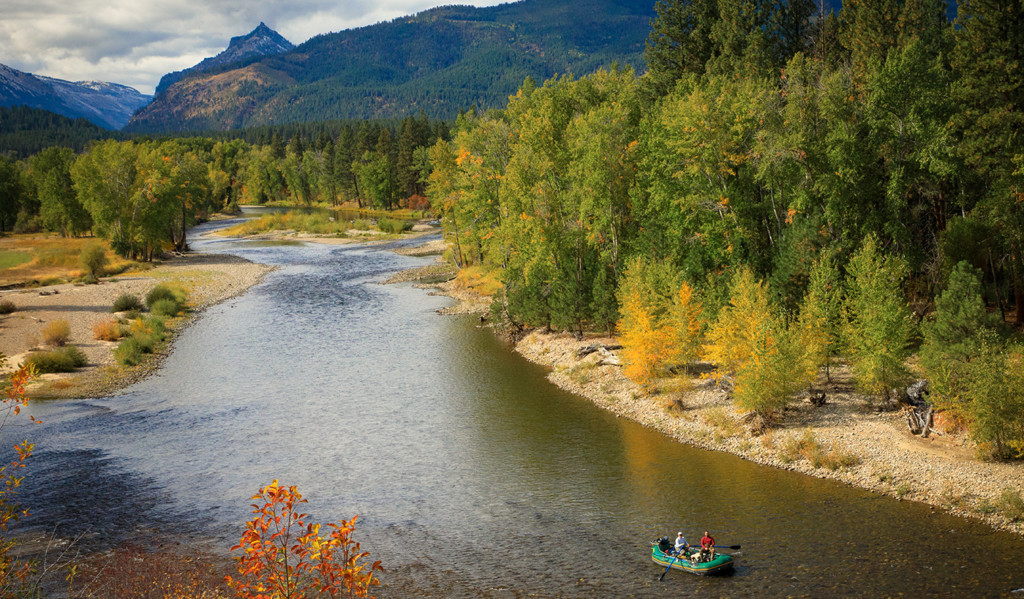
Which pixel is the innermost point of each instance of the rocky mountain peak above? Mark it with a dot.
(261, 41)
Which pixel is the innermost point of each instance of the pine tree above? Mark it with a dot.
(954, 335)
(679, 42)
(989, 59)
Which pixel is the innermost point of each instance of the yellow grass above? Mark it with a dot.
(478, 279)
(54, 259)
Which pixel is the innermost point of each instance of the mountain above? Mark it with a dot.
(438, 61)
(108, 105)
(260, 42)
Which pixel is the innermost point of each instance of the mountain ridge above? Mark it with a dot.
(109, 105)
(440, 60)
(258, 43)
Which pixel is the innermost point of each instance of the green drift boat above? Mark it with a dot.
(721, 563)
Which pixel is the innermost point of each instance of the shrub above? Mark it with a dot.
(1012, 505)
(66, 359)
(392, 225)
(148, 333)
(165, 292)
(127, 302)
(94, 259)
(107, 330)
(57, 332)
(128, 352)
(165, 307)
(7, 306)
(361, 224)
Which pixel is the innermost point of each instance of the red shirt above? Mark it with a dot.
(707, 542)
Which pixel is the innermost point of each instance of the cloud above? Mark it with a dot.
(135, 43)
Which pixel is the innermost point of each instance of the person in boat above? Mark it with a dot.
(707, 547)
(682, 547)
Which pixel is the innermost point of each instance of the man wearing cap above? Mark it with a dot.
(681, 545)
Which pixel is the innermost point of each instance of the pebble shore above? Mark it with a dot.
(942, 470)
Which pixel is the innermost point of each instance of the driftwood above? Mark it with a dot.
(921, 414)
(920, 422)
(607, 357)
(586, 350)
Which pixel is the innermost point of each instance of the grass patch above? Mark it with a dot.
(808, 447)
(49, 258)
(12, 258)
(65, 359)
(7, 306)
(720, 418)
(986, 507)
(903, 489)
(57, 332)
(579, 373)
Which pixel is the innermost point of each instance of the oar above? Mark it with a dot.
(662, 577)
(727, 546)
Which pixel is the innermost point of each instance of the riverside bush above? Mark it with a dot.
(57, 332)
(127, 302)
(165, 307)
(94, 259)
(7, 306)
(164, 292)
(393, 225)
(128, 352)
(1012, 505)
(65, 359)
(107, 330)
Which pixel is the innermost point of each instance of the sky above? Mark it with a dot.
(135, 42)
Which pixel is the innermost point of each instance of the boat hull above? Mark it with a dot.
(722, 563)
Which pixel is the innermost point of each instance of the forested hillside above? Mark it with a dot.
(25, 131)
(775, 192)
(438, 61)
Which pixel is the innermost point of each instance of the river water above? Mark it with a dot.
(472, 475)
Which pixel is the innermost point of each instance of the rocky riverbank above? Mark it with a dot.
(849, 438)
(208, 278)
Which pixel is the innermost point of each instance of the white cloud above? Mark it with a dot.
(136, 42)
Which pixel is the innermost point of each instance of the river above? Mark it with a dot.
(471, 474)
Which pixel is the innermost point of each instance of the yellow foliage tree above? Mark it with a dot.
(661, 323)
(645, 344)
(686, 326)
(750, 341)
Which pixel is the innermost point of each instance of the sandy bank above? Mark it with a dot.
(209, 278)
(941, 471)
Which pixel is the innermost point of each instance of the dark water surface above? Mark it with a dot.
(471, 474)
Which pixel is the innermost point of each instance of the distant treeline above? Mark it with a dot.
(143, 193)
(25, 131)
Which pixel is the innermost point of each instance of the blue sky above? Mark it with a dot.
(135, 42)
